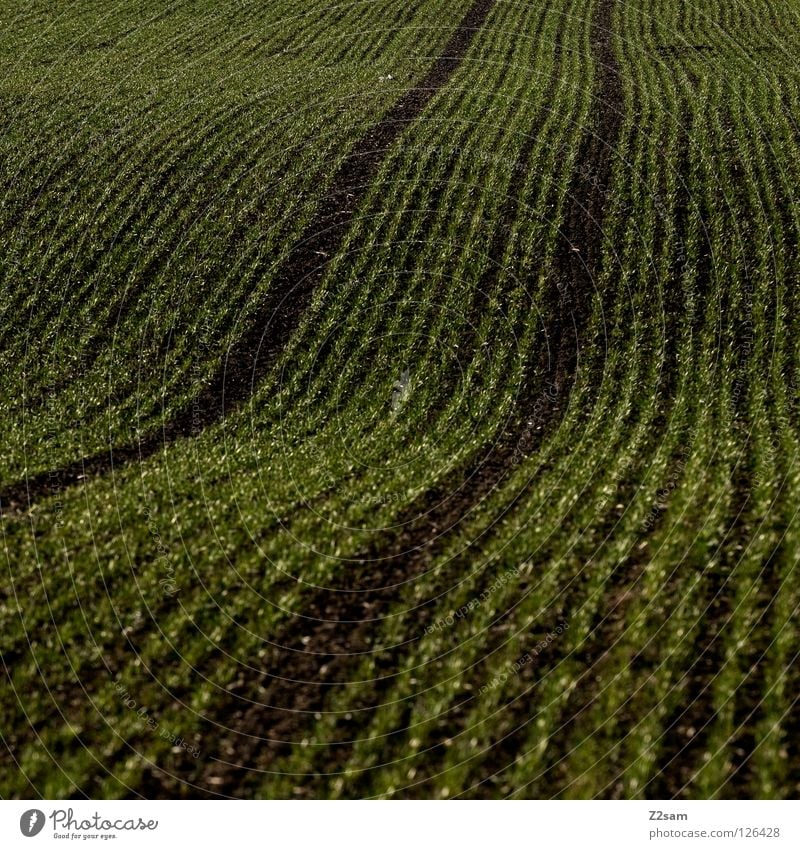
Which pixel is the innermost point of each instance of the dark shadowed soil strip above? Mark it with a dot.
(577, 272)
(249, 359)
(583, 228)
(679, 745)
(311, 657)
(609, 626)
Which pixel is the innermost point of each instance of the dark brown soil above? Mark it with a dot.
(580, 264)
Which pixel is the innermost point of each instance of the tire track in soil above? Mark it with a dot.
(250, 358)
(608, 629)
(684, 738)
(313, 657)
(589, 193)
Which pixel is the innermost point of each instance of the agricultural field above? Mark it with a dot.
(400, 400)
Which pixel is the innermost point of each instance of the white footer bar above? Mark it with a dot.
(402, 825)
